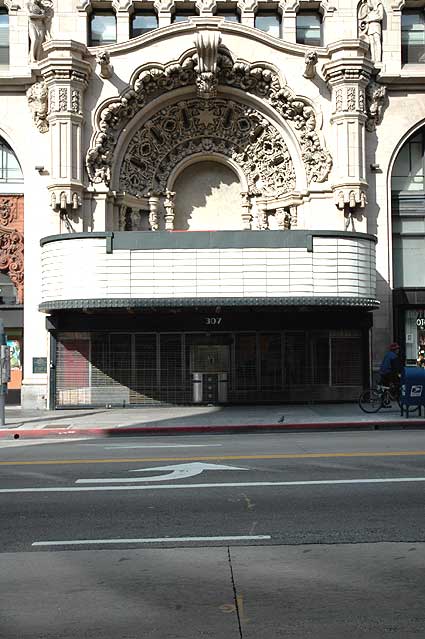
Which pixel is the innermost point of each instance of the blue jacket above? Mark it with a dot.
(390, 364)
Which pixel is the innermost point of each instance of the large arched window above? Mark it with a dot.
(10, 170)
(408, 212)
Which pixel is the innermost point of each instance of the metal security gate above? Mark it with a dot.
(120, 369)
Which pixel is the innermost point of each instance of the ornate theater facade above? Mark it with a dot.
(221, 202)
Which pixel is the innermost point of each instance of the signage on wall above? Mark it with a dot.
(39, 364)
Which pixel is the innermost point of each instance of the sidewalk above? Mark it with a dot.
(151, 420)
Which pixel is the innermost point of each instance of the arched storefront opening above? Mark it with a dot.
(208, 197)
(408, 243)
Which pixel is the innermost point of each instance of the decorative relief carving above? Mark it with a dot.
(75, 101)
(11, 245)
(52, 101)
(375, 101)
(37, 96)
(63, 99)
(255, 79)
(310, 60)
(338, 100)
(103, 59)
(351, 99)
(217, 126)
(207, 43)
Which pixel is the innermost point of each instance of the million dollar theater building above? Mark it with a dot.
(219, 202)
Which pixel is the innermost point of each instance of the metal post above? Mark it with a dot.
(3, 386)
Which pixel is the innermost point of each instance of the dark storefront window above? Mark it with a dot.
(150, 368)
(245, 362)
(271, 362)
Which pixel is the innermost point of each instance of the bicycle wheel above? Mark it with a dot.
(370, 401)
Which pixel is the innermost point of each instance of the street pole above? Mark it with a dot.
(4, 352)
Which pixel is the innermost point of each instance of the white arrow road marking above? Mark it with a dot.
(178, 471)
(154, 540)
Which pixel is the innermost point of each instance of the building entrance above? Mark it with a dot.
(210, 366)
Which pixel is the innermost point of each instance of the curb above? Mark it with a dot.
(45, 433)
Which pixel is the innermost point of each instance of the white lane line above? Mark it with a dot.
(154, 540)
(248, 484)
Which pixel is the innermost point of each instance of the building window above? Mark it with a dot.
(143, 22)
(309, 28)
(269, 22)
(183, 14)
(413, 37)
(408, 171)
(228, 13)
(8, 293)
(4, 37)
(10, 171)
(103, 28)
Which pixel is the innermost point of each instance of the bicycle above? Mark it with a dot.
(373, 399)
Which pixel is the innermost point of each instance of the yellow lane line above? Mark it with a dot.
(130, 460)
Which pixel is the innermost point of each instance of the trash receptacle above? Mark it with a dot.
(412, 394)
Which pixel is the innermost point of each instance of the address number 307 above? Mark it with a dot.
(213, 321)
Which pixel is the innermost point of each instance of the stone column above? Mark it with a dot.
(347, 78)
(289, 20)
(169, 205)
(263, 223)
(123, 10)
(246, 211)
(164, 9)
(66, 74)
(153, 211)
(206, 8)
(247, 9)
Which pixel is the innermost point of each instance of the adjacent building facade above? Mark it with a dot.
(220, 202)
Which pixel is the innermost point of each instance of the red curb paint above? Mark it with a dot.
(8, 433)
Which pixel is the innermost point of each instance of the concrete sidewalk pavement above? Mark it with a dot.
(151, 420)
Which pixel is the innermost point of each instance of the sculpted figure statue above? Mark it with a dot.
(371, 14)
(40, 14)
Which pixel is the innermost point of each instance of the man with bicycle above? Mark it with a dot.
(391, 366)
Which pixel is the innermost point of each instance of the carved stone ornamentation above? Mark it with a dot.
(375, 100)
(207, 43)
(11, 244)
(256, 79)
(40, 13)
(193, 126)
(103, 59)
(75, 101)
(169, 209)
(63, 99)
(310, 60)
(37, 96)
(351, 99)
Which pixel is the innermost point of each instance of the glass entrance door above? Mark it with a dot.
(210, 370)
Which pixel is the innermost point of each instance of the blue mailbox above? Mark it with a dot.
(412, 389)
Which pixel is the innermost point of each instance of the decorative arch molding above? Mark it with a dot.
(259, 80)
(196, 126)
